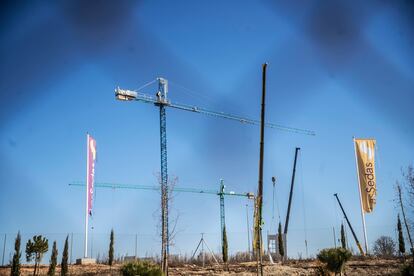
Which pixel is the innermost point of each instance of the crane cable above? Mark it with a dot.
(227, 115)
(145, 85)
(193, 93)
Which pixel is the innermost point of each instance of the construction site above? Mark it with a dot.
(238, 138)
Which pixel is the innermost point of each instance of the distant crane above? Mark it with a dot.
(290, 196)
(221, 193)
(161, 100)
(350, 226)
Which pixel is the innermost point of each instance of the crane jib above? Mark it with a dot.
(249, 195)
(128, 95)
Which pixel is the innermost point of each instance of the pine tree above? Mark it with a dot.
(15, 267)
(401, 243)
(343, 239)
(65, 256)
(35, 250)
(280, 241)
(53, 260)
(224, 248)
(111, 249)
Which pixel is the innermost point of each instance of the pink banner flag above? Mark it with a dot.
(90, 171)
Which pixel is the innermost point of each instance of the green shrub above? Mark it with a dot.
(334, 258)
(225, 246)
(15, 267)
(64, 268)
(407, 270)
(280, 241)
(141, 268)
(111, 248)
(53, 260)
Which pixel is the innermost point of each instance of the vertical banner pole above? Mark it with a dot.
(360, 200)
(87, 196)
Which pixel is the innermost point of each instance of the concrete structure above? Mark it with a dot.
(85, 261)
(273, 245)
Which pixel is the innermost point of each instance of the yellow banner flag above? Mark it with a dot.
(365, 158)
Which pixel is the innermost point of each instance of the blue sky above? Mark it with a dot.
(341, 68)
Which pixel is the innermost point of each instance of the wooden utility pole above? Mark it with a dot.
(259, 200)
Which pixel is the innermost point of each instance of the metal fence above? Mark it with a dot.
(184, 244)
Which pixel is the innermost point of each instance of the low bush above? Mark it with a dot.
(407, 270)
(334, 258)
(142, 268)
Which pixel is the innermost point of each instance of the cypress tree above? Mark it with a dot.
(15, 267)
(65, 256)
(343, 239)
(280, 241)
(401, 243)
(111, 249)
(225, 246)
(53, 260)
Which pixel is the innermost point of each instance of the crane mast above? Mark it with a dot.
(162, 101)
(290, 196)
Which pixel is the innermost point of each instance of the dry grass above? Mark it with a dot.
(355, 267)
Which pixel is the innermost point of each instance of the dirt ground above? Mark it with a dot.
(354, 267)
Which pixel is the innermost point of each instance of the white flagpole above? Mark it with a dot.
(360, 200)
(87, 196)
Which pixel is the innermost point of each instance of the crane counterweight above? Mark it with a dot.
(125, 95)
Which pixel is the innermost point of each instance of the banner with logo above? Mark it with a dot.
(365, 158)
(91, 158)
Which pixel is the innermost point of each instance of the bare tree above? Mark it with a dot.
(168, 236)
(384, 246)
(172, 231)
(408, 185)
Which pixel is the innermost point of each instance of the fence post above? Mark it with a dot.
(136, 245)
(71, 243)
(4, 249)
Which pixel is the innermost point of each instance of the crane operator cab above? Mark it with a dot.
(162, 91)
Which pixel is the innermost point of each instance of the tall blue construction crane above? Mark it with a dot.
(221, 193)
(161, 100)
